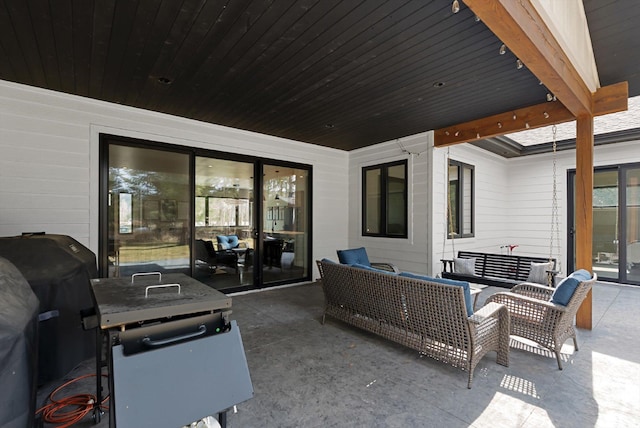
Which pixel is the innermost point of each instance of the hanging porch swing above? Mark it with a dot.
(554, 241)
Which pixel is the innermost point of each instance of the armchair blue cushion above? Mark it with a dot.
(564, 291)
(465, 286)
(354, 256)
(227, 242)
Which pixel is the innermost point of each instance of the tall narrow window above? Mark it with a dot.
(384, 200)
(125, 218)
(460, 206)
(201, 211)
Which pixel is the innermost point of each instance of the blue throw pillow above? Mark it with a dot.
(223, 242)
(372, 269)
(581, 274)
(354, 256)
(328, 261)
(227, 242)
(465, 286)
(564, 291)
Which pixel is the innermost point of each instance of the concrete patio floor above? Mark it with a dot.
(306, 374)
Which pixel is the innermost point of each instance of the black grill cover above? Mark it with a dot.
(18, 348)
(59, 269)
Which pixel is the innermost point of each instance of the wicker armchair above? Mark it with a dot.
(535, 317)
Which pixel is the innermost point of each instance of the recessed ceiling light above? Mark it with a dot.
(329, 126)
(438, 84)
(165, 80)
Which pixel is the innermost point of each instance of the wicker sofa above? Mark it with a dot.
(427, 316)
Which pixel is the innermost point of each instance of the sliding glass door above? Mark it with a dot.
(616, 228)
(285, 223)
(147, 211)
(632, 220)
(225, 246)
(234, 223)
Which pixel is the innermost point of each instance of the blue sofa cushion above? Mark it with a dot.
(227, 242)
(372, 269)
(465, 286)
(564, 291)
(354, 256)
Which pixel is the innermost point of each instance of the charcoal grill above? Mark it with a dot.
(174, 356)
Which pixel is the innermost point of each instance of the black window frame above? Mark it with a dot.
(459, 208)
(383, 225)
(106, 140)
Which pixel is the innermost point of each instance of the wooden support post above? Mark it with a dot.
(584, 209)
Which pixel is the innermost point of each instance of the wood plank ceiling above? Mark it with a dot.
(334, 73)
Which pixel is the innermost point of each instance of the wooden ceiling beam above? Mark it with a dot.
(503, 123)
(520, 27)
(610, 99)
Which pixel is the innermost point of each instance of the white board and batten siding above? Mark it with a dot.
(514, 199)
(49, 162)
(531, 201)
(531, 195)
(408, 254)
(426, 245)
(490, 203)
(49, 179)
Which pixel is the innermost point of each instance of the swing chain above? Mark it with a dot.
(555, 217)
(448, 220)
(449, 231)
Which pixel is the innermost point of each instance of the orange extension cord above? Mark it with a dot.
(82, 404)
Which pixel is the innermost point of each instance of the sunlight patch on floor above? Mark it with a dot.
(519, 385)
(616, 377)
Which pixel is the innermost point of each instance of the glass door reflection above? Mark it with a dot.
(285, 224)
(224, 245)
(616, 224)
(632, 238)
(605, 224)
(148, 220)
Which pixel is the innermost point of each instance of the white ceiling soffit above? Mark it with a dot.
(568, 22)
(601, 125)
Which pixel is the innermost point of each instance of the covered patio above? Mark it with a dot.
(306, 374)
(338, 88)
(315, 83)
(345, 377)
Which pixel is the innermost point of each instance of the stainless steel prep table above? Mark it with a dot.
(174, 356)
